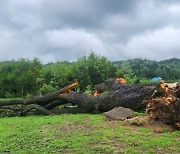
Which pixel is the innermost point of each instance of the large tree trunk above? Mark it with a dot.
(115, 95)
(129, 96)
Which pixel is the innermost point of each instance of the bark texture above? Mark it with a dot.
(112, 94)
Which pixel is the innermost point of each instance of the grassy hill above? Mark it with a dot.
(143, 68)
(172, 63)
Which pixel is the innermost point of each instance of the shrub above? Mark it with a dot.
(88, 90)
(8, 95)
(46, 89)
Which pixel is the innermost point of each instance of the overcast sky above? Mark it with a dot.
(59, 30)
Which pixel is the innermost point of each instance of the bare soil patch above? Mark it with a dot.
(146, 122)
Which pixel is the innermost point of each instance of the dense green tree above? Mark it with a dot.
(57, 74)
(18, 78)
(93, 69)
(8, 84)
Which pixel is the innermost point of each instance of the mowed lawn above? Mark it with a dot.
(82, 133)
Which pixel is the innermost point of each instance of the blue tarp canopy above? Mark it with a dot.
(155, 79)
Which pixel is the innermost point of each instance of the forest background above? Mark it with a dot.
(26, 78)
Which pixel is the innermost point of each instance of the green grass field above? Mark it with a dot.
(81, 133)
(7, 99)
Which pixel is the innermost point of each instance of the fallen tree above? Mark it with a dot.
(166, 108)
(112, 94)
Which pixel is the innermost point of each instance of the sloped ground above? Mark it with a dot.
(85, 133)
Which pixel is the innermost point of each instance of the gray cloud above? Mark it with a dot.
(67, 29)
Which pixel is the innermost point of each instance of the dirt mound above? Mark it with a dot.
(147, 122)
(119, 113)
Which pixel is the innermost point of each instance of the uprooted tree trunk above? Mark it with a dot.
(115, 95)
(166, 108)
